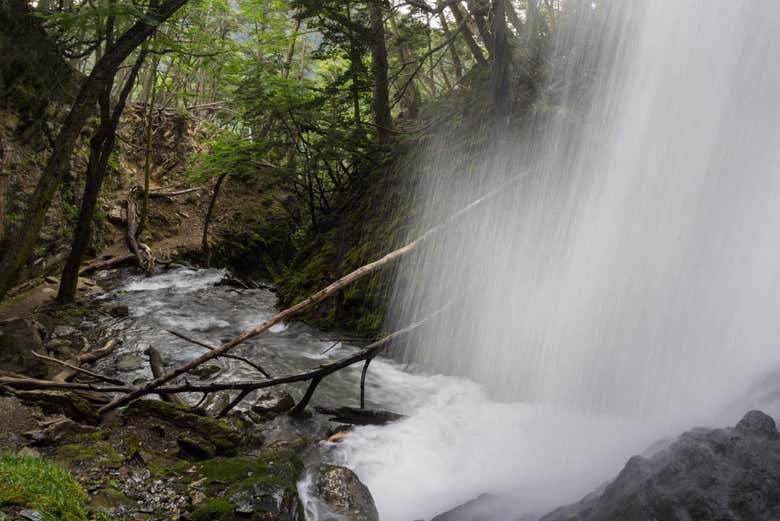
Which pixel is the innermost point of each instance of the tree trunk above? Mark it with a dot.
(5, 162)
(472, 44)
(478, 9)
(152, 90)
(381, 97)
(207, 221)
(412, 102)
(456, 63)
(21, 246)
(101, 147)
(501, 66)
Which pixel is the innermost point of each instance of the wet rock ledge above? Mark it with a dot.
(728, 474)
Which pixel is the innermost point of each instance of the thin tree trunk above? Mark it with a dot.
(472, 44)
(5, 162)
(23, 243)
(291, 51)
(501, 66)
(381, 96)
(207, 221)
(101, 147)
(152, 89)
(456, 63)
(413, 104)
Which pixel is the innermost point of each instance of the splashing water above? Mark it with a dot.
(625, 289)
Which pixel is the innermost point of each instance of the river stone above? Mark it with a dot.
(344, 494)
(62, 330)
(273, 403)
(18, 339)
(119, 310)
(60, 346)
(129, 362)
(730, 474)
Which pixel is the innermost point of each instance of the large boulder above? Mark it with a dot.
(728, 474)
(18, 339)
(344, 494)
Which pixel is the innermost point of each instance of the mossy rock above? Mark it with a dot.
(223, 436)
(256, 487)
(214, 510)
(109, 499)
(95, 451)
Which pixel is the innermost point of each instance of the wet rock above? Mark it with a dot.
(129, 362)
(721, 474)
(205, 372)
(18, 339)
(344, 494)
(60, 346)
(271, 403)
(223, 436)
(62, 330)
(192, 447)
(31, 515)
(251, 487)
(119, 310)
(58, 431)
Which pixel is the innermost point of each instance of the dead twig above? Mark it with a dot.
(212, 348)
(78, 369)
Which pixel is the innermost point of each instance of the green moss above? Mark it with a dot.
(214, 510)
(224, 437)
(109, 498)
(35, 484)
(100, 452)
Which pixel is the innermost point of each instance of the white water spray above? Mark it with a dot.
(631, 278)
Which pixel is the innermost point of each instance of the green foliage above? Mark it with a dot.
(35, 484)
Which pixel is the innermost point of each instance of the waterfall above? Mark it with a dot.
(623, 285)
(633, 269)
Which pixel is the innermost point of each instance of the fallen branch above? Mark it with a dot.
(212, 348)
(132, 230)
(105, 264)
(86, 357)
(316, 298)
(161, 193)
(78, 369)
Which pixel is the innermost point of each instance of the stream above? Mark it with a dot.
(456, 443)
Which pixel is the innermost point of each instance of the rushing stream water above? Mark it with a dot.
(457, 442)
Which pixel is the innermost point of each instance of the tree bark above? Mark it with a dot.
(456, 63)
(21, 246)
(472, 44)
(101, 147)
(381, 96)
(501, 66)
(5, 162)
(207, 221)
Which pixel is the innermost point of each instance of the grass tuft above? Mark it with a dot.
(37, 485)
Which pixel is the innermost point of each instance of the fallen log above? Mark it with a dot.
(105, 264)
(158, 369)
(360, 416)
(162, 192)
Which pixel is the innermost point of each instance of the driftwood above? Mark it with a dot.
(158, 369)
(98, 265)
(85, 357)
(355, 416)
(77, 369)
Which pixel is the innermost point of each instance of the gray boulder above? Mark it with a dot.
(18, 339)
(344, 494)
(728, 474)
